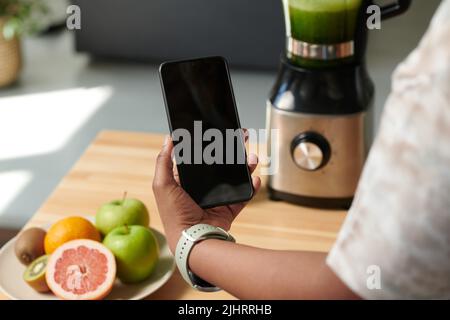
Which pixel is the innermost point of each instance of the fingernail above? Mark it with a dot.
(166, 140)
(252, 158)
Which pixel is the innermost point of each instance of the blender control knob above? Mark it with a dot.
(310, 151)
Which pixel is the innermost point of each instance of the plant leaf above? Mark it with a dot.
(9, 30)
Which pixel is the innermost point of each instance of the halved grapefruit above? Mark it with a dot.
(81, 270)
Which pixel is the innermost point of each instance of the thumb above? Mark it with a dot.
(164, 166)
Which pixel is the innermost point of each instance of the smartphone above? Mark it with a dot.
(209, 146)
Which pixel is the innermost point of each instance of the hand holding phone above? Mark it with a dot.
(178, 211)
(209, 144)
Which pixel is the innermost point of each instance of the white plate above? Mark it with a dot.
(12, 285)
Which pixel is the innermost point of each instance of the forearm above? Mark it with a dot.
(253, 273)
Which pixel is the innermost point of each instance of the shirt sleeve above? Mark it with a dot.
(395, 242)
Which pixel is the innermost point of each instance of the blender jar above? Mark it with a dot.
(321, 32)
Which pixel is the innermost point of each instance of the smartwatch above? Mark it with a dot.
(188, 239)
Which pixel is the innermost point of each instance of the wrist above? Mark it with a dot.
(199, 253)
(195, 238)
(173, 236)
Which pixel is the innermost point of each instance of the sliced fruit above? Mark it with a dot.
(68, 229)
(81, 270)
(34, 275)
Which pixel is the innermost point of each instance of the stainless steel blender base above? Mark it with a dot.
(334, 181)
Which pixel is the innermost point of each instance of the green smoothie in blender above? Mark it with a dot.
(321, 22)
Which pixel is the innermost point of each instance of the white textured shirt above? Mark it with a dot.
(395, 242)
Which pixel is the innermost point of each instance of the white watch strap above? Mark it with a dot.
(187, 241)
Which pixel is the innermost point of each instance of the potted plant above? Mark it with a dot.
(17, 17)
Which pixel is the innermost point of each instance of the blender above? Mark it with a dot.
(322, 100)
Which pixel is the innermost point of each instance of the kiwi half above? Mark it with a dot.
(34, 275)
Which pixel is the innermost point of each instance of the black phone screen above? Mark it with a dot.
(209, 147)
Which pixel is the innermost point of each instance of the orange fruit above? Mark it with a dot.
(68, 229)
(81, 270)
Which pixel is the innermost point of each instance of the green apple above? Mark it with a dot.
(136, 251)
(119, 213)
